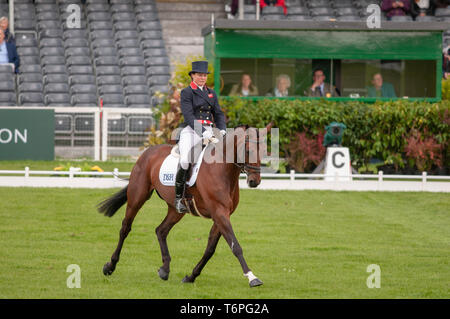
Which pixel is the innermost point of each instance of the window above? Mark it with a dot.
(351, 78)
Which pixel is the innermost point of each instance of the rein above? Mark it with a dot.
(246, 167)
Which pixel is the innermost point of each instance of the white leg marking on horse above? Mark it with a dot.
(250, 276)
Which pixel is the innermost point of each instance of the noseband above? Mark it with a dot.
(246, 167)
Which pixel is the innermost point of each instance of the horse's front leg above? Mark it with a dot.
(222, 220)
(213, 239)
(161, 232)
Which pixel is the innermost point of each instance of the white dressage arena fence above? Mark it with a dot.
(293, 181)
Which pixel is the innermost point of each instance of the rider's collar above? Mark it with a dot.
(194, 86)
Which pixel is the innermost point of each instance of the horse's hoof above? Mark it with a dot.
(255, 282)
(186, 279)
(164, 275)
(108, 269)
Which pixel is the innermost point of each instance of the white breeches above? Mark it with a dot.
(190, 146)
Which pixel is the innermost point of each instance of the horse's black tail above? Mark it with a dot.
(112, 204)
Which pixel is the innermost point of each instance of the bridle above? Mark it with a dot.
(246, 167)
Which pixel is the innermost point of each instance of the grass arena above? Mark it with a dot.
(302, 244)
(95, 82)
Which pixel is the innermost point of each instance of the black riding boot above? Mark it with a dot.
(180, 180)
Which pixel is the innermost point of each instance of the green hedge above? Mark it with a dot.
(379, 130)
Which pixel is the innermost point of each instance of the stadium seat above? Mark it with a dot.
(124, 16)
(442, 12)
(105, 51)
(158, 70)
(107, 70)
(25, 40)
(31, 87)
(159, 89)
(109, 89)
(50, 33)
(134, 80)
(128, 52)
(299, 17)
(344, 4)
(147, 16)
(83, 88)
(8, 98)
(137, 100)
(298, 11)
(109, 79)
(272, 10)
(54, 69)
(319, 3)
(131, 61)
(59, 51)
(55, 78)
(59, 87)
(84, 99)
(401, 18)
(136, 89)
(57, 99)
(122, 7)
(77, 60)
(81, 79)
(76, 42)
(346, 12)
(132, 70)
(155, 52)
(52, 59)
(324, 18)
(80, 69)
(145, 8)
(30, 77)
(113, 100)
(349, 18)
(31, 99)
(159, 80)
(149, 25)
(426, 19)
(106, 60)
(99, 16)
(157, 61)
(51, 42)
(322, 11)
(7, 86)
(125, 25)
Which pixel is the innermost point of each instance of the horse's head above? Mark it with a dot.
(250, 146)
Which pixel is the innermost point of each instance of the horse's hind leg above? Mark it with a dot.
(213, 239)
(135, 202)
(161, 232)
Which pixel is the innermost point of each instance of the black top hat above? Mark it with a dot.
(199, 67)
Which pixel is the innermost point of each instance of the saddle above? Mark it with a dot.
(169, 169)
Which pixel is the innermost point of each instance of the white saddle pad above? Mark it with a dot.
(169, 167)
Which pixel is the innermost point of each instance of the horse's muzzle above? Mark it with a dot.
(252, 183)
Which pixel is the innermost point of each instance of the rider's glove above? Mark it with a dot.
(207, 134)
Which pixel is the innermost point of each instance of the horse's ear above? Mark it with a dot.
(269, 126)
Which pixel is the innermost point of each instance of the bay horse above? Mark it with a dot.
(216, 194)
